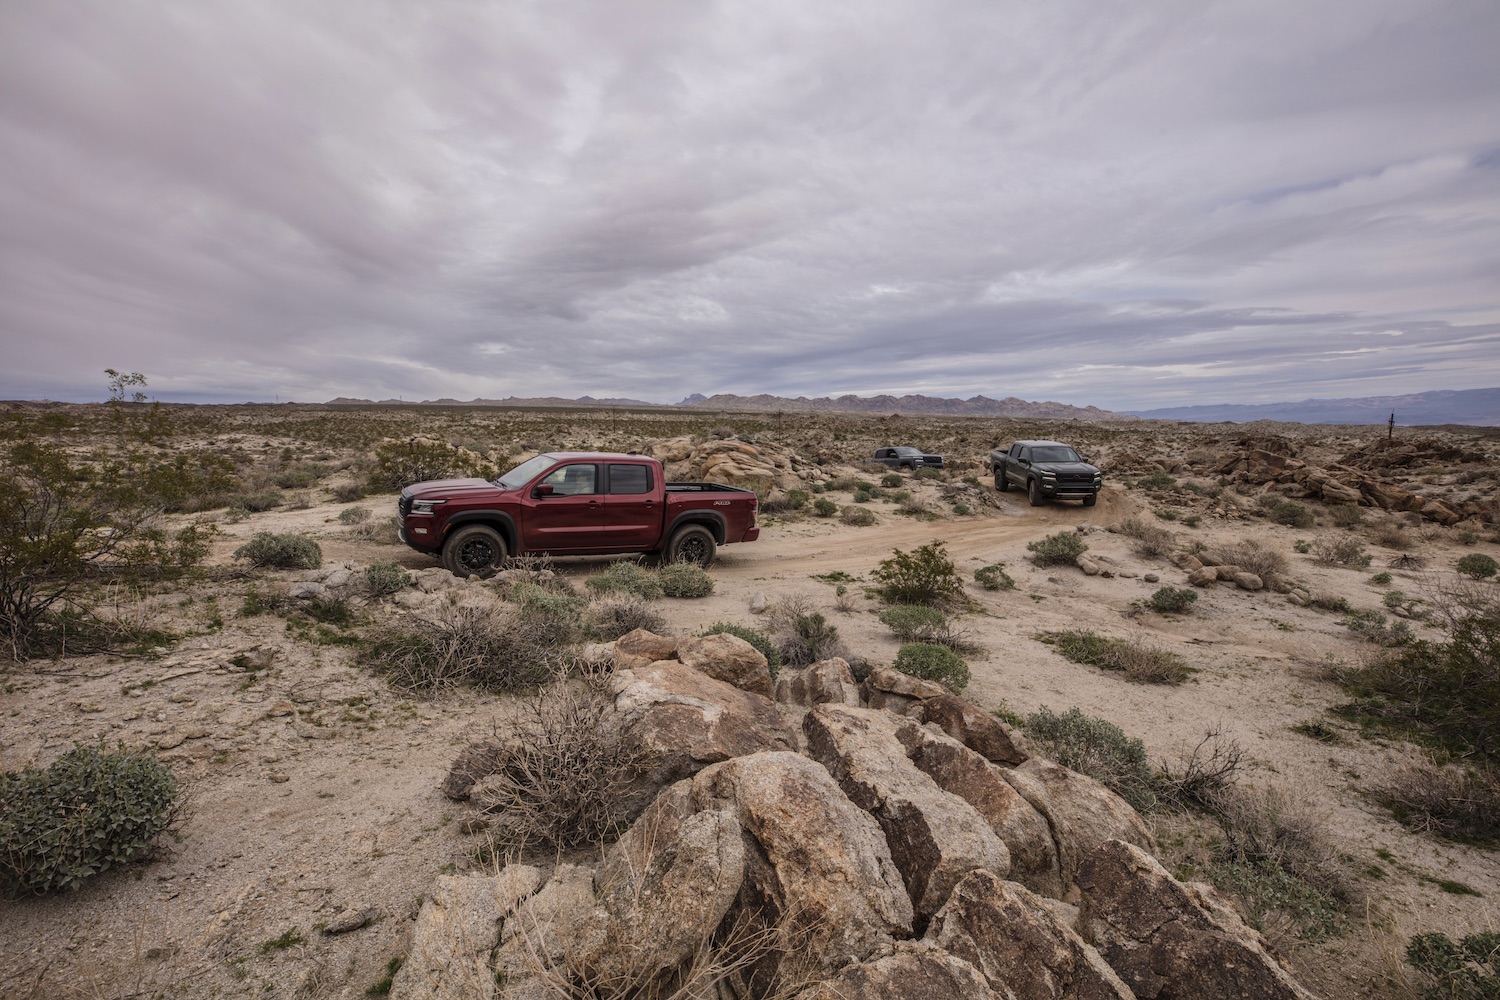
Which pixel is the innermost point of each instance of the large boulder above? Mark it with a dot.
(1081, 812)
(684, 720)
(913, 971)
(824, 682)
(935, 838)
(1023, 950)
(728, 460)
(727, 658)
(888, 688)
(960, 771)
(818, 872)
(1171, 941)
(456, 933)
(978, 730)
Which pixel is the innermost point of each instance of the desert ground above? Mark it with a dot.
(312, 797)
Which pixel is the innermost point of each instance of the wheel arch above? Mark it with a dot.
(497, 519)
(711, 520)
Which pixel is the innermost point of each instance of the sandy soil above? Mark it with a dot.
(313, 788)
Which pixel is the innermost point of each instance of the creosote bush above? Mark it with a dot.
(912, 622)
(1293, 515)
(1478, 566)
(1097, 748)
(1253, 557)
(627, 578)
(281, 551)
(91, 810)
(924, 576)
(684, 580)
(754, 637)
(824, 507)
(932, 662)
(1061, 549)
(994, 577)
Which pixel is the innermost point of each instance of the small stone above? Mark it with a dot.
(1203, 577)
(759, 602)
(350, 920)
(183, 699)
(1151, 578)
(279, 777)
(305, 591)
(473, 825)
(1248, 581)
(169, 741)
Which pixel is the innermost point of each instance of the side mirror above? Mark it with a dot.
(542, 490)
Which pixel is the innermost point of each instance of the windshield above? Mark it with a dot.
(525, 472)
(1058, 453)
(907, 452)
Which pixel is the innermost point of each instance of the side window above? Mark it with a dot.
(1025, 455)
(572, 480)
(634, 479)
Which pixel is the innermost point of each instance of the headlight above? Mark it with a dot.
(425, 506)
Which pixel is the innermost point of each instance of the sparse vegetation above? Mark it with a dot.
(684, 580)
(1455, 800)
(1341, 550)
(463, 645)
(857, 517)
(1136, 659)
(609, 618)
(1173, 600)
(281, 551)
(932, 662)
(1466, 970)
(89, 811)
(627, 577)
(924, 576)
(384, 577)
(1061, 549)
(1097, 748)
(1148, 540)
(994, 577)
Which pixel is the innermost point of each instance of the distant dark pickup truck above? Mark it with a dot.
(573, 503)
(1046, 470)
(907, 458)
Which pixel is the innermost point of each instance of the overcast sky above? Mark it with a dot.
(1125, 205)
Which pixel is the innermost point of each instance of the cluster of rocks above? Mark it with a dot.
(733, 461)
(897, 842)
(1352, 480)
(1202, 571)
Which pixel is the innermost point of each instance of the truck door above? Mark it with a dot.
(632, 508)
(572, 516)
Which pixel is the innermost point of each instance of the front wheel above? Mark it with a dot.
(474, 550)
(1091, 499)
(693, 543)
(1034, 493)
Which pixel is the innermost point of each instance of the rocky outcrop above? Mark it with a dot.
(914, 971)
(827, 681)
(1171, 941)
(733, 461)
(456, 934)
(1023, 950)
(935, 838)
(977, 730)
(1081, 812)
(727, 658)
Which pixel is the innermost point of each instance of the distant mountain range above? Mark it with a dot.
(1475, 407)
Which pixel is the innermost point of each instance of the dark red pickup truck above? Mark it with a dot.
(573, 503)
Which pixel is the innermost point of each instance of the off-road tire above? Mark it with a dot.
(1002, 481)
(1091, 499)
(474, 550)
(692, 543)
(1034, 493)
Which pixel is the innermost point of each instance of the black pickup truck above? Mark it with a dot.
(1046, 470)
(907, 458)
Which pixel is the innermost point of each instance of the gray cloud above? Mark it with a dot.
(1130, 207)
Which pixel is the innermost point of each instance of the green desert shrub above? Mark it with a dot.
(1097, 748)
(1173, 600)
(414, 460)
(1137, 660)
(932, 662)
(684, 580)
(1346, 515)
(1061, 549)
(91, 810)
(627, 578)
(994, 577)
(754, 637)
(808, 640)
(891, 480)
(924, 576)
(1465, 970)
(281, 551)
(912, 622)
(857, 517)
(1478, 566)
(257, 501)
(1157, 480)
(824, 507)
(354, 515)
(386, 576)
(1343, 550)
(558, 615)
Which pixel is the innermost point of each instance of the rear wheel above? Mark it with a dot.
(474, 550)
(693, 543)
(1001, 483)
(1034, 493)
